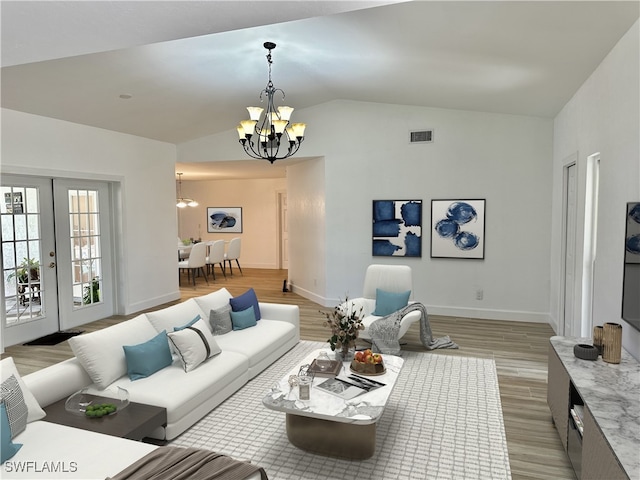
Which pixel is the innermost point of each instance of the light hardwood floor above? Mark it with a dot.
(519, 350)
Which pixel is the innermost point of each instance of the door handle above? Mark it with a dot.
(52, 265)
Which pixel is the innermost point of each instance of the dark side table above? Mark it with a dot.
(135, 422)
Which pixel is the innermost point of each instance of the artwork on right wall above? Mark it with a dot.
(397, 228)
(632, 237)
(457, 228)
(631, 273)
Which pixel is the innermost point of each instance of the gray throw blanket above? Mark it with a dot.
(175, 463)
(384, 331)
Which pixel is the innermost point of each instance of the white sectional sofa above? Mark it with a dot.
(187, 396)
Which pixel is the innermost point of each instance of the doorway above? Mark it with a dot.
(570, 214)
(579, 245)
(592, 189)
(283, 231)
(56, 255)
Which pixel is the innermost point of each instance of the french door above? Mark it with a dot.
(30, 293)
(83, 236)
(56, 255)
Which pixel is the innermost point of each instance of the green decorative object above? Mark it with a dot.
(100, 410)
(29, 269)
(92, 292)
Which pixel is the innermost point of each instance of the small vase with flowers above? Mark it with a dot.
(345, 322)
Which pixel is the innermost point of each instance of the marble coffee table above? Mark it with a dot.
(328, 424)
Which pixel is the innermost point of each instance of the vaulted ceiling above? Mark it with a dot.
(191, 67)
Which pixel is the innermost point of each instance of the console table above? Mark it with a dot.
(609, 397)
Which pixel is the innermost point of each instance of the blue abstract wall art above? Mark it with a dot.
(397, 228)
(457, 228)
(224, 219)
(632, 235)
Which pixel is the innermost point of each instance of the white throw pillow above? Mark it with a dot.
(175, 315)
(194, 344)
(101, 354)
(8, 368)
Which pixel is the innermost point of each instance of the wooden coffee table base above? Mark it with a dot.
(333, 439)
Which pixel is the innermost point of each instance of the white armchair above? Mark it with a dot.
(390, 278)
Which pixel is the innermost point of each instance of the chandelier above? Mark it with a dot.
(182, 202)
(270, 136)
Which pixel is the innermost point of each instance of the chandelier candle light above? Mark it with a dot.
(181, 201)
(263, 134)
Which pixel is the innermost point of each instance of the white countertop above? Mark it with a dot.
(612, 393)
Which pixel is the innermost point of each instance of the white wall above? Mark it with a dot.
(258, 200)
(504, 159)
(145, 172)
(307, 229)
(603, 116)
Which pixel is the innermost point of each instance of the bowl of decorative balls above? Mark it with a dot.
(95, 403)
(100, 410)
(366, 362)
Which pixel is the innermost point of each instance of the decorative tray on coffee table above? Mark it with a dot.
(329, 368)
(367, 368)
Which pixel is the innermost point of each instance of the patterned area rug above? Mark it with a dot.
(443, 421)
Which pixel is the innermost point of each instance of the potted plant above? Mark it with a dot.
(345, 322)
(92, 292)
(29, 269)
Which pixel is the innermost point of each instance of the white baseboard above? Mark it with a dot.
(553, 322)
(309, 295)
(151, 302)
(483, 314)
(266, 266)
(489, 314)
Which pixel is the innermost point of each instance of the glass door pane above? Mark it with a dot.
(86, 257)
(21, 254)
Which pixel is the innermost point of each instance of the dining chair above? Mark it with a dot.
(216, 257)
(195, 263)
(233, 253)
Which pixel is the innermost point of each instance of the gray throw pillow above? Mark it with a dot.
(220, 320)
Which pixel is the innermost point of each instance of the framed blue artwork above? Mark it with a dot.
(224, 219)
(631, 272)
(632, 236)
(457, 228)
(397, 228)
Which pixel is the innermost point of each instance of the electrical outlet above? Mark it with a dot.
(479, 294)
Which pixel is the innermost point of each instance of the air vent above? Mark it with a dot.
(421, 136)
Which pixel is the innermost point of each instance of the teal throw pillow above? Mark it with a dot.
(177, 329)
(7, 448)
(147, 358)
(244, 301)
(243, 319)
(389, 302)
